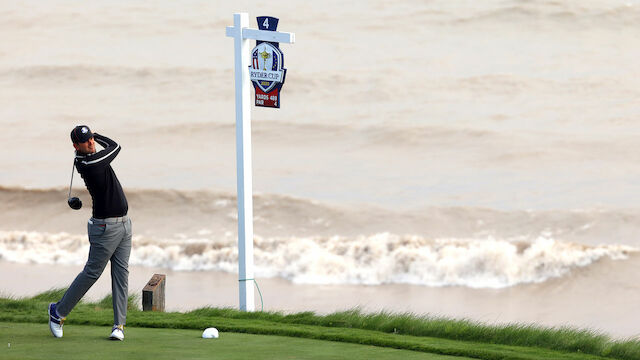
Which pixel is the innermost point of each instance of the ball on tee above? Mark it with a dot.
(210, 333)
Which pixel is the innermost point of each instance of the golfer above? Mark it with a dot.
(109, 231)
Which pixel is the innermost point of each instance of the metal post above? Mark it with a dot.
(243, 159)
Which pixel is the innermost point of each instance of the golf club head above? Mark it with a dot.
(74, 203)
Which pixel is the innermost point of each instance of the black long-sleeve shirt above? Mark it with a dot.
(101, 181)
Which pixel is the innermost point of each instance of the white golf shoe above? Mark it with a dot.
(117, 332)
(55, 321)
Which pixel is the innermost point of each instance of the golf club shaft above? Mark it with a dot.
(72, 171)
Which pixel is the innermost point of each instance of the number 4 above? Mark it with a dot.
(266, 23)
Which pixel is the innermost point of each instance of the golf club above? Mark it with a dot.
(74, 202)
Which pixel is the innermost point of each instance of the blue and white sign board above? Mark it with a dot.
(267, 70)
(241, 34)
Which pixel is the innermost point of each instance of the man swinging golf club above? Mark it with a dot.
(109, 230)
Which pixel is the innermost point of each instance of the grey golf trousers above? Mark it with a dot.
(110, 239)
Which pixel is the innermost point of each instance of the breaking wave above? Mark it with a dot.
(382, 258)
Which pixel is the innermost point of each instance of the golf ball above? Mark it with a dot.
(210, 333)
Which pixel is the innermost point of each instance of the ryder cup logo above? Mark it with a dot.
(267, 70)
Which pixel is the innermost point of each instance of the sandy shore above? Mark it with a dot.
(581, 300)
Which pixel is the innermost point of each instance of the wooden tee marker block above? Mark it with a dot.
(153, 294)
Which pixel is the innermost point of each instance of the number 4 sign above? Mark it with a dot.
(267, 70)
(241, 34)
(265, 23)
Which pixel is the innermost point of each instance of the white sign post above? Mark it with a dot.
(242, 34)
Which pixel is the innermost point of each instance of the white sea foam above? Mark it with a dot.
(378, 259)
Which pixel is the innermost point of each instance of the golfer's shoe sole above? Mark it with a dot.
(55, 323)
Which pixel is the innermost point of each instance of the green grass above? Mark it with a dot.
(401, 331)
(33, 341)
